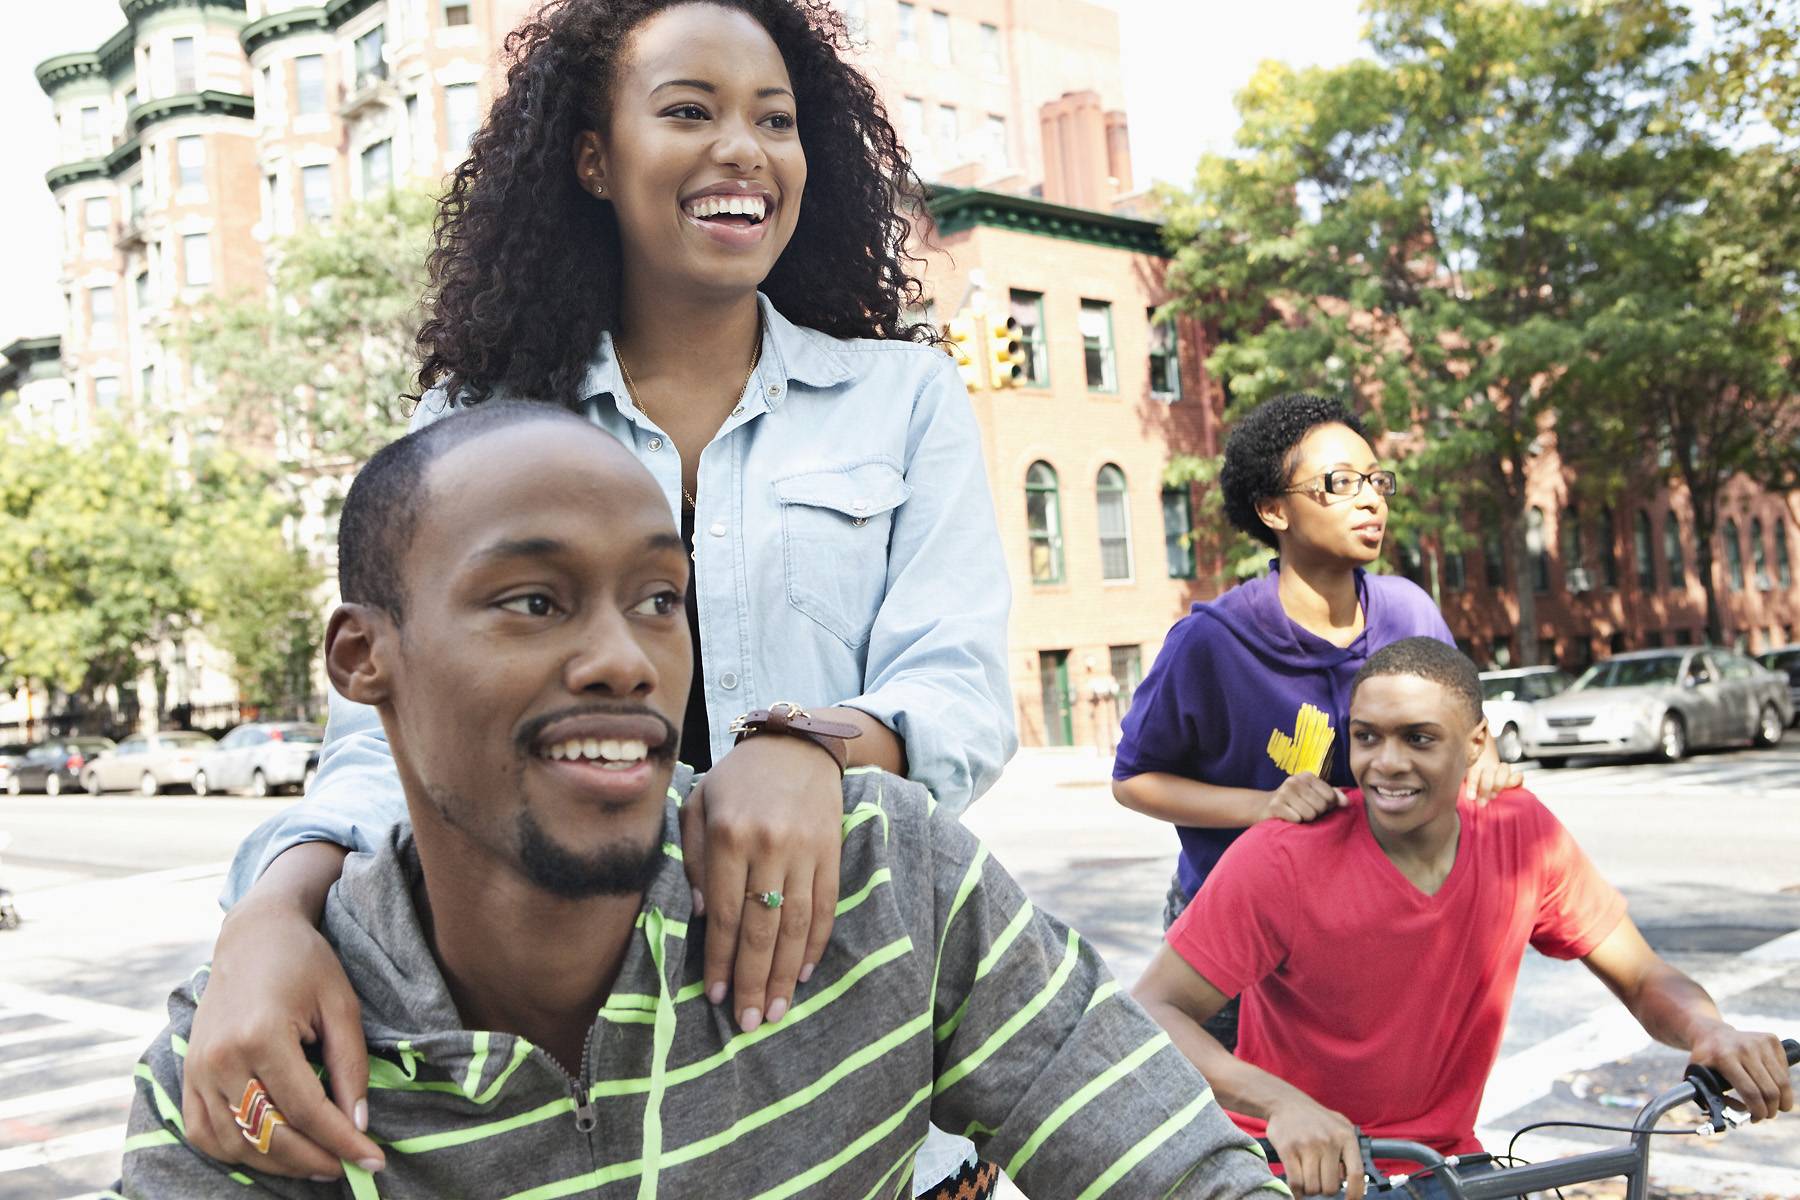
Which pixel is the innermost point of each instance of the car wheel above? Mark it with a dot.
(199, 783)
(1768, 726)
(1553, 763)
(91, 783)
(306, 780)
(147, 786)
(1509, 746)
(53, 784)
(259, 783)
(15, 786)
(1671, 739)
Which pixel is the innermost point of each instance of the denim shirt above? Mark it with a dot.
(846, 552)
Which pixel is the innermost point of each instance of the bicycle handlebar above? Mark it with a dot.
(1702, 1085)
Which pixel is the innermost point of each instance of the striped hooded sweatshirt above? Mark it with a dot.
(944, 996)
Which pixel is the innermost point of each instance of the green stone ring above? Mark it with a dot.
(766, 899)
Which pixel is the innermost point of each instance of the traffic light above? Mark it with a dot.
(1006, 352)
(960, 334)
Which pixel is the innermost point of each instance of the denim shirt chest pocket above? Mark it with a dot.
(835, 523)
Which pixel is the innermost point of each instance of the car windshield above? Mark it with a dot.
(306, 735)
(1781, 660)
(1506, 687)
(1631, 672)
(188, 741)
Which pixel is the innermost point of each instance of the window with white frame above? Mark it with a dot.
(187, 77)
(906, 27)
(90, 124)
(940, 38)
(315, 191)
(190, 161)
(458, 12)
(196, 260)
(370, 66)
(462, 116)
(999, 153)
(1178, 528)
(101, 312)
(1165, 359)
(1097, 346)
(1027, 308)
(1115, 524)
(96, 212)
(993, 56)
(309, 84)
(106, 393)
(377, 167)
(945, 137)
(141, 289)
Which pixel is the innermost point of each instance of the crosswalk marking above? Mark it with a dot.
(113, 1018)
(36, 1033)
(126, 1049)
(115, 1089)
(75, 1145)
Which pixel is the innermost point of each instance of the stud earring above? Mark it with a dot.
(599, 189)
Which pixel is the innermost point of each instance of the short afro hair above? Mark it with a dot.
(1430, 659)
(381, 510)
(1260, 454)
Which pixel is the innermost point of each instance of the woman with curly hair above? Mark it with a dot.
(1241, 718)
(686, 219)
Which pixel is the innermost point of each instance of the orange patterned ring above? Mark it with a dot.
(257, 1116)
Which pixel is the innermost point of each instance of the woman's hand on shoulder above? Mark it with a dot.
(767, 818)
(1488, 776)
(275, 986)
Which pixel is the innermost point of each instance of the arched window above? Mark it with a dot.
(1784, 569)
(1759, 560)
(1534, 545)
(1641, 544)
(1672, 551)
(1115, 523)
(1178, 526)
(1043, 521)
(1734, 556)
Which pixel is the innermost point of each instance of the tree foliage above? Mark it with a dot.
(1456, 228)
(322, 367)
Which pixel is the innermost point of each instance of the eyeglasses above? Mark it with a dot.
(1349, 483)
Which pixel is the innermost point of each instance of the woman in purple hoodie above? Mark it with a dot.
(1241, 717)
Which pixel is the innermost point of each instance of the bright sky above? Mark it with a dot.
(1184, 61)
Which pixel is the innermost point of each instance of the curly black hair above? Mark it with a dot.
(1259, 455)
(524, 267)
(1431, 659)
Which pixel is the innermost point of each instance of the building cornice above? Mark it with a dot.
(65, 174)
(118, 52)
(54, 74)
(958, 209)
(339, 11)
(275, 26)
(137, 10)
(191, 104)
(27, 351)
(123, 156)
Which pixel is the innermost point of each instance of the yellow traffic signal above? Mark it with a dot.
(1006, 352)
(960, 334)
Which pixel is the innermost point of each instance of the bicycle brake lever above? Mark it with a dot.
(1368, 1156)
(1709, 1088)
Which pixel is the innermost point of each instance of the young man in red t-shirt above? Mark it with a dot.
(1376, 949)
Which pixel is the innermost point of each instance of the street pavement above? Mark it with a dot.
(119, 898)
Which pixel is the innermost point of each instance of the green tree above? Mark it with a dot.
(1754, 71)
(321, 367)
(90, 577)
(1420, 227)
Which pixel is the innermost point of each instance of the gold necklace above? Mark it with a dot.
(631, 390)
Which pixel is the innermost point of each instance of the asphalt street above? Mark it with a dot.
(119, 895)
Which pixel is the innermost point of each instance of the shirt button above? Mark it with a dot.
(728, 681)
(718, 529)
(774, 390)
(859, 520)
(738, 411)
(655, 443)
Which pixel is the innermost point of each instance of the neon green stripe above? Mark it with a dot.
(156, 1137)
(808, 1178)
(178, 1044)
(674, 929)
(1276, 1186)
(592, 1181)
(472, 1080)
(475, 1133)
(240, 1177)
(861, 815)
(1102, 994)
(521, 1048)
(1007, 937)
(631, 1000)
(662, 1041)
(692, 991)
(971, 878)
(1081, 1098)
(1016, 1022)
(166, 1108)
(628, 1018)
(906, 1160)
(874, 1051)
(876, 878)
(362, 1184)
(1146, 1146)
(673, 851)
(849, 771)
(743, 1041)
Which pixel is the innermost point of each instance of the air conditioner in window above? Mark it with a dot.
(1579, 580)
(1763, 582)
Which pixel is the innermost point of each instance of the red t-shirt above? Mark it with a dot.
(1376, 1000)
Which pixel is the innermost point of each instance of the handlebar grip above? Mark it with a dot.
(1710, 1078)
(1792, 1049)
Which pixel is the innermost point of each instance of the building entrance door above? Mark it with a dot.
(1053, 674)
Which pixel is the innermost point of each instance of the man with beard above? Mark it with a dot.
(526, 954)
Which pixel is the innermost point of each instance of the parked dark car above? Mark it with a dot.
(1785, 660)
(11, 753)
(54, 767)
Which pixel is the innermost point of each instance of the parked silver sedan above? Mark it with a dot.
(1661, 702)
(264, 757)
(1507, 700)
(148, 762)
(1786, 661)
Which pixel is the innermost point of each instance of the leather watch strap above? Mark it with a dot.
(788, 719)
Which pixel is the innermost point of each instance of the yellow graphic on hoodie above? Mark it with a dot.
(1309, 746)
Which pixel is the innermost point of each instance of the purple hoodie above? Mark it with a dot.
(1234, 672)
